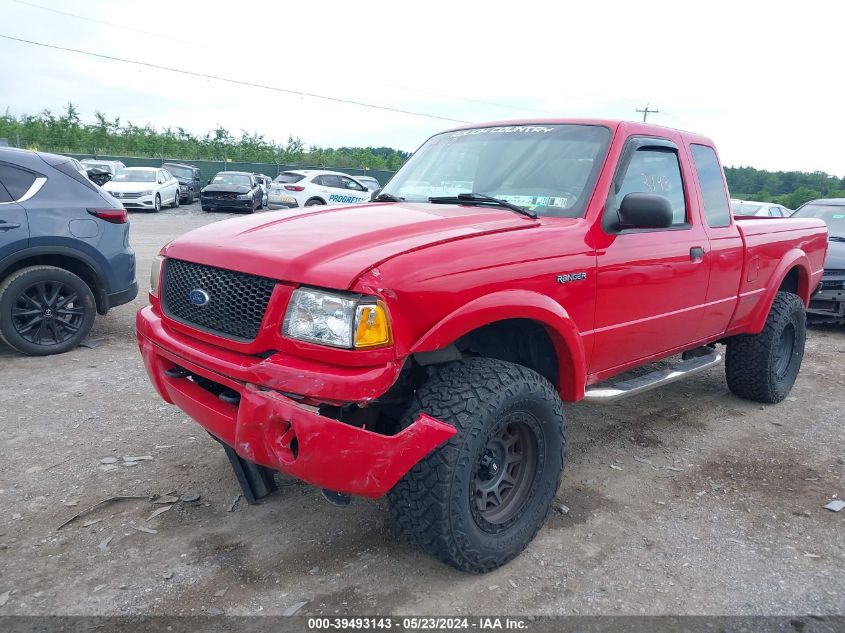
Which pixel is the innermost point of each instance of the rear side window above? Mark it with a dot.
(17, 181)
(288, 177)
(712, 183)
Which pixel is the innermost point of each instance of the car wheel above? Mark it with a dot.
(478, 500)
(205, 208)
(158, 203)
(176, 201)
(45, 310)
(314, 202)
(763, 367)
(191, 196)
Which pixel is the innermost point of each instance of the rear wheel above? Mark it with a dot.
(763, 367)
(479, 499)
(314, 202)
(45, 310)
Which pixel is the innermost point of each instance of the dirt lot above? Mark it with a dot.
(714, 505)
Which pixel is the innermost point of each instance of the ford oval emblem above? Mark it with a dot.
(198, 297)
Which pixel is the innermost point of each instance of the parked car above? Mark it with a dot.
(827, 303)
(310, 187)
(369, 182)
(423, 348)
(144, 188)
(64, 253)
(234, 190)
(264, 182)
(190, 180)
(101, 171)
(78, 166)
(759, 209)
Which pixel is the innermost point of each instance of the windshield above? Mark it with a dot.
(287, 177)
(179, 172)
(131, 175)
(103, 166)
(745, 208)
(239, 180)
(548, 169)
(833, 215)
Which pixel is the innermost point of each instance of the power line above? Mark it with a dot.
(233, 81)
(488, 103)
(96, 21)
(201, 45)
(646, 112)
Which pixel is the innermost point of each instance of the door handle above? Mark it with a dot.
(696, 253)
(6, 226)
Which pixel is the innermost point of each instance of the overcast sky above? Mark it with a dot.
(763, 79)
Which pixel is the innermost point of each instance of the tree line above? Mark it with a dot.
(67, 133)
(789, 188)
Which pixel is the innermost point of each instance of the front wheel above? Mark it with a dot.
(157, 203)
(175, 204)
(45, 310)
(478, 500)
(763, 367)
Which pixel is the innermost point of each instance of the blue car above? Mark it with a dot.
(64, 253)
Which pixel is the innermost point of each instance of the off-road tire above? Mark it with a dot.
(751, 364)
(17, 282)
(432, 504)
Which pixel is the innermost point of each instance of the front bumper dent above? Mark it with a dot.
(273, 430)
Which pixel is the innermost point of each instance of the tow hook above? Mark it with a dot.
(336, 498)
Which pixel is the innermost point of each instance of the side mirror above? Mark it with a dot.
(209, 182)
(375, 194)
(645, 211)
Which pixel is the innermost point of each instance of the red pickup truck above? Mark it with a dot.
(422, 346)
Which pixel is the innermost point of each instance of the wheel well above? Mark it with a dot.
(790, 282)
(521, 341)
(71, 264)
(312, 198)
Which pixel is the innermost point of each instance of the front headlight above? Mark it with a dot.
(245, 196)
(155, 274)
(148, 192)
(336, 320)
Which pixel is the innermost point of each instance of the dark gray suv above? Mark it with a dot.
(64, 253)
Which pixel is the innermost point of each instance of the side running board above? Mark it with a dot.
(633, 386)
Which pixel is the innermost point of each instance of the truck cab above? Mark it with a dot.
(422, 346)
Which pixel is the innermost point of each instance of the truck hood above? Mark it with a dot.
(332, 246)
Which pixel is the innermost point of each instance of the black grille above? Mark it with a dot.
(833, 272)
(236, 301)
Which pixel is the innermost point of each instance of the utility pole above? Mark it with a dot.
(646, 112)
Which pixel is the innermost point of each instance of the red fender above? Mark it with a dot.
(792, 258)
(518, 304)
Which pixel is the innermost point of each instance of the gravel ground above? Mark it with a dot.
(713, 506)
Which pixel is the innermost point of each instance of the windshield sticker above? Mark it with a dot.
(510, 129)
(839, 216)
(532, 202)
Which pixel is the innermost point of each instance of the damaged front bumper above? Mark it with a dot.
(269, 428)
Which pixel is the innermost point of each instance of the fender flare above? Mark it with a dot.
(100, 290)
(518, 304)
(790, 259)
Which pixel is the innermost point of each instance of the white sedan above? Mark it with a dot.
(310, 187)
(144, 188)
